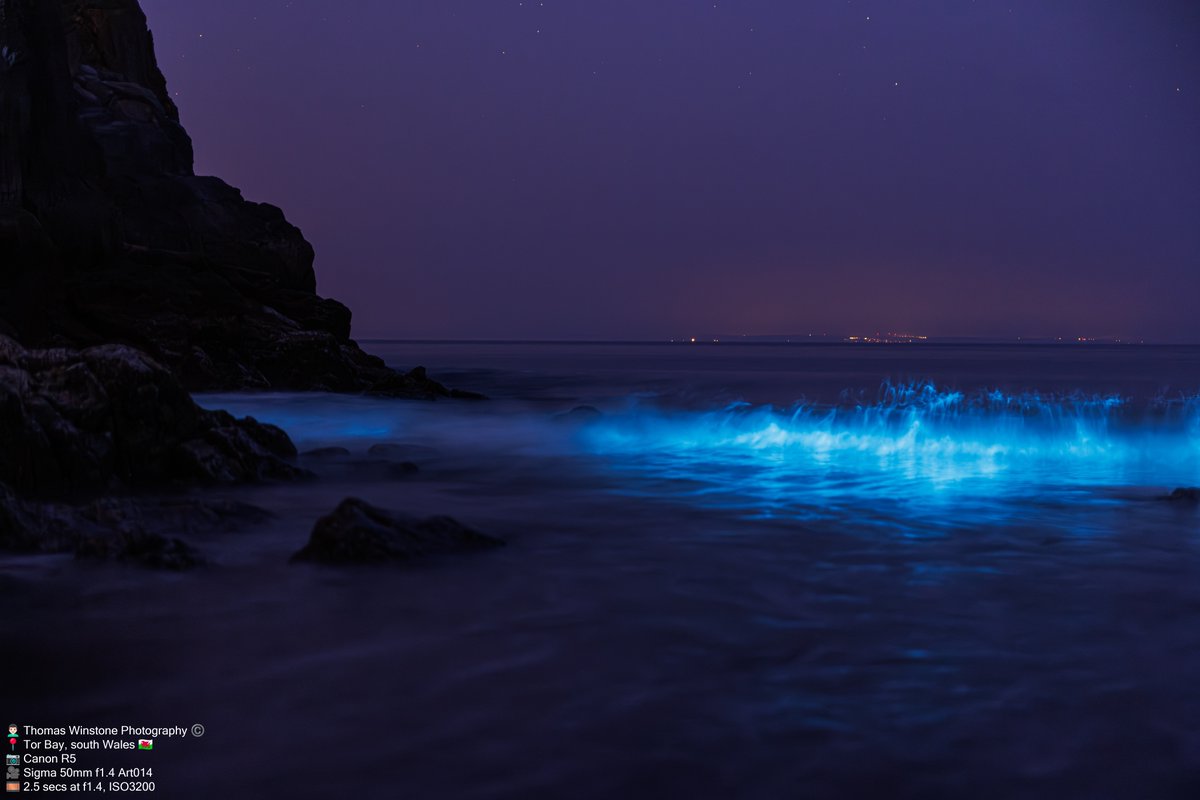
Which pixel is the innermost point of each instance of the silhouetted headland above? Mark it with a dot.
(132, 281)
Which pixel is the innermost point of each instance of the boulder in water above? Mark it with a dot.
(359, 533)
(140, 548)
(1184, 495)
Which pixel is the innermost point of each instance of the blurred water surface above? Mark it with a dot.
(738, 571)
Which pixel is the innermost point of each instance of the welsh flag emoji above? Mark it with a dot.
(145, 744)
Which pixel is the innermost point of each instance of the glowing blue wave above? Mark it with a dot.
(914, 442)
(915, 449)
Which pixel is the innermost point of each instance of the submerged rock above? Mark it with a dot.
(139, 531)
(111, 416)
(140, 548)
(401, 450)
(185, 514)
(33, 527)
(580, 414)
(359, 533)
(1184, 495)
(402, 469)
(326, 452)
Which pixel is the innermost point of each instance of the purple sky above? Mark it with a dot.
(648, 169)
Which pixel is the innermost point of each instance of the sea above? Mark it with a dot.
(732, 571)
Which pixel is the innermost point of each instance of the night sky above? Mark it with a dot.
(660, 168)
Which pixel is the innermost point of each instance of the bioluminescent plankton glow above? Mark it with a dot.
(917, 447)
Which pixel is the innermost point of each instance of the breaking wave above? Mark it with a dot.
(913, 439)
(913, 447)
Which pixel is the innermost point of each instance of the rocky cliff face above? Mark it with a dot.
(107, 235)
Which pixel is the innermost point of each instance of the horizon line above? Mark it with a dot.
(798, 340)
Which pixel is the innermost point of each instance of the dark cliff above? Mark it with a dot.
(107, 235)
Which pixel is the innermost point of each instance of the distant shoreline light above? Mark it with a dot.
(889, 338)
(893, 337)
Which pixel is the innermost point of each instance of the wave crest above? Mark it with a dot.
(919, 430)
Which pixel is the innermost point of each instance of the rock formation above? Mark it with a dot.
(77, 424)
(109, 417)
(119, 528)
(107, 235)
(359, 533)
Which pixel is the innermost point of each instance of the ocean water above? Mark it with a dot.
(732, 571)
